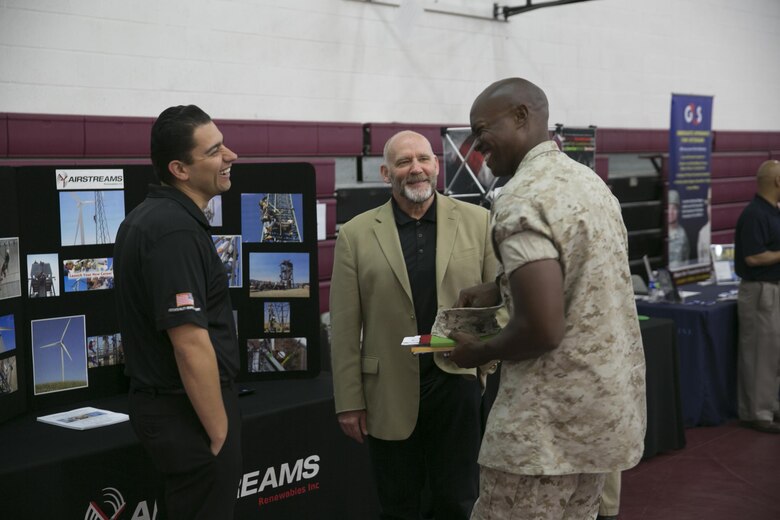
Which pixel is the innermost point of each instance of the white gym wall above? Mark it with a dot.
(611, 63)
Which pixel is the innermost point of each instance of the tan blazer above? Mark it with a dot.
(370, 291)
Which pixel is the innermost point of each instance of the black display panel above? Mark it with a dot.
(12, 316)
(68, 346)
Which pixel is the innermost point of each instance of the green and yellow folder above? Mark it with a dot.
(425, 343)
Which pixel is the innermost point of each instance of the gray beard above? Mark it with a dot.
(418, 196)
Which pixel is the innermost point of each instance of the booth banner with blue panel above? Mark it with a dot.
(688, 198)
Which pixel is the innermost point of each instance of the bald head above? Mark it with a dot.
(509, 118)
(767, 173)
(516, 92)
(768, 180)
(391, 143)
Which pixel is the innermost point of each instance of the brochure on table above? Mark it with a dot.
(84, 418)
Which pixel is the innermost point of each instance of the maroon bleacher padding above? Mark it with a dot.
(330, 216)
(339, 139)
(744, 141)
(77, 162)
(725, 191)
(3, 135)
(117, 136)
(602, 167)
(631, 140)
(379, 133)
(325, 172)
(725, 236)
(50, 135)
(325, 258)
(324, 296)
(736, 165)
(249, 138)
(31, 135)
(735, 141)
(292, 138)
(775, 154)
(724, 216)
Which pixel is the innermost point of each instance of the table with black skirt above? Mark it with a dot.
(297, 462)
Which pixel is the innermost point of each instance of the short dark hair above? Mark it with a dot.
(172, 137)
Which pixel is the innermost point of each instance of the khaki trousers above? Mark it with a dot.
(758, 362)
(610, 496)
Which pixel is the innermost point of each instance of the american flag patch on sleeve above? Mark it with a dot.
(185, 300)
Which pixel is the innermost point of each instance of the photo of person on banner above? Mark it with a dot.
(704, 239)
(688, 221)
(679, 250)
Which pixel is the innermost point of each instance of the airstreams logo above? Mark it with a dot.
(113, 505)
(86, 180)
(301, 469)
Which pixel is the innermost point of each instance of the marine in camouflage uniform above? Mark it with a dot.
(571, 403)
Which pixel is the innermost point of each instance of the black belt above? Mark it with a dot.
(158, 391)
(170, 391)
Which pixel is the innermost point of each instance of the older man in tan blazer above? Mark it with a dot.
(394, 267)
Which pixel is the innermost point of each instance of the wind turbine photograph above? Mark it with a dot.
(59, 354)
(7, 333)
(90, 217)
(80, 221)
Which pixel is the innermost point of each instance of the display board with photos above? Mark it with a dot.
(13, 399)
(274, 207)
(61, 342)
(68, 220)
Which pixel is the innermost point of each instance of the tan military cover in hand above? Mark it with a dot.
(479, 321)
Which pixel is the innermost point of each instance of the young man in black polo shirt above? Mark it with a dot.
(757, 262)
(176, 321)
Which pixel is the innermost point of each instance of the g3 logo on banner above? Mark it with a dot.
(693, 114)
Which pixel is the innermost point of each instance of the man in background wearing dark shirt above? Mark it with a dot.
(176, 321)
(394, 267)
(757, 262)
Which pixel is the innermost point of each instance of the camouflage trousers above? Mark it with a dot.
(505, 496)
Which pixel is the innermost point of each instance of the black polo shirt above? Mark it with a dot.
(418, 242)
(167, 273)
(758, 230)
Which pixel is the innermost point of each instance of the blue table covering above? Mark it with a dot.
(707, 345)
